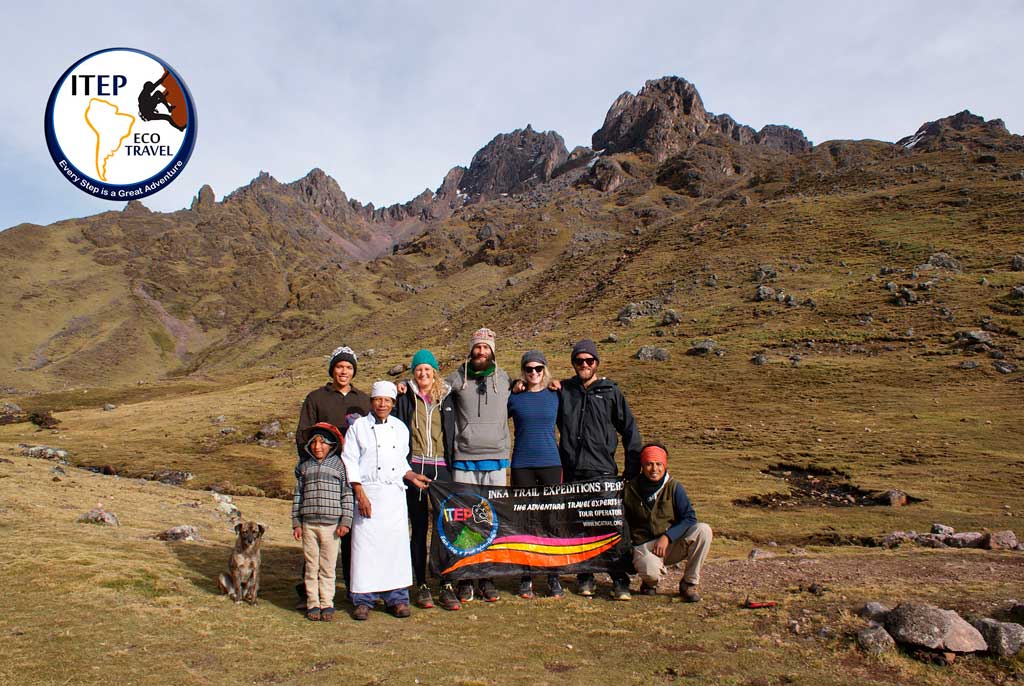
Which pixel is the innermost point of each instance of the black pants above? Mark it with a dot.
(524, 477)
(419, 518)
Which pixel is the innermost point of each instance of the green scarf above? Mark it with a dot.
(483, 374)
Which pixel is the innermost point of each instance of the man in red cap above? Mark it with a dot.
(663, 526)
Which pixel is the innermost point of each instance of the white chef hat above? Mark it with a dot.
(384, 389)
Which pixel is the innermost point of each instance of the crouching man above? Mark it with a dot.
(663, 526)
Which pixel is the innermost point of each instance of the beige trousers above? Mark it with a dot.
(320, 548)
(692, 546)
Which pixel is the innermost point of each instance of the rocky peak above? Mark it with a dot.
(959, 131)
(664, 118)
(204, 200)
(322, 193)
(511, 162)
(667, 117)
(135, 207)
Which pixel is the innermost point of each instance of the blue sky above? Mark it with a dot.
(387, 96)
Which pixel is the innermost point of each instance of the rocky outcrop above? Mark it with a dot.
(667, 117)
(513, 162)
(962, 131)
(204, 200)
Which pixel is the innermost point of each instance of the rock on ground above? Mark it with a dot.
(875, 640)
(931, 627)
(184, 532)
(1003, 638)
(999, 540)
(650, 352)
(874, 611)
(98, 515)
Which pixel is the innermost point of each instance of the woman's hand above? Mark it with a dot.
(297, 533)
(420, 481)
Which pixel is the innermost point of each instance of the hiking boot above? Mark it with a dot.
(448, 599)
(555, 589)
(313, 614)
(689, 592)
(401, 610)
(646, 589)
(620, 589)
(423, 597)
(489, 591)
(465, 591)
(526, 589)
(361, 612)
(585, 585)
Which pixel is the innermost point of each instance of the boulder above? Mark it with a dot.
(965, 539)
(944, 261)
(669, 318)
(109, 407)
(703, 348)
(765, 273)
(1004, 367)
(927, 626)
(764, 293)
(758, 554)
(98, 515)
(10, 408)
(999, 540)
(228, 430)
(650, 352)
(893, 498)
(969, 364)
(1017, 263)
(875, 640)
(269, 430)
(611, 338)
(874, 611)
(229, 509)
(396, 370)
(183, 532)
(897, 538)
(172, 477)
(43, 452)
(759, 359)
(1004, 638)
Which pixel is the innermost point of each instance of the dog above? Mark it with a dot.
(242, 582)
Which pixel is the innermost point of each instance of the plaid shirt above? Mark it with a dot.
(322, 493)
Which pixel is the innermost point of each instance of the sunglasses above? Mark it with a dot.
(585, 361)
(534, 370)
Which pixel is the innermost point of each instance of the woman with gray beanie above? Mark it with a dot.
(535, 459)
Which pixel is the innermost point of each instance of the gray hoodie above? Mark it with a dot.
(481, 415)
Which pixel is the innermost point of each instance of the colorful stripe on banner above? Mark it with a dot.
(535, 551)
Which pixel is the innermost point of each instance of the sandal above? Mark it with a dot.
(313, 614)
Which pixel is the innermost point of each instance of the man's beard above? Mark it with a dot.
(479, 364)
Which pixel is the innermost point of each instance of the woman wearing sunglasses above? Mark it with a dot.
(535, 459)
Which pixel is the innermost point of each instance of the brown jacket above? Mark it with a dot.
(328, 405)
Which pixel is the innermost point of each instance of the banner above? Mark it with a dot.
(485, 531)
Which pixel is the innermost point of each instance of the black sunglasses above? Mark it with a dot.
(534, 370)
(588, 361)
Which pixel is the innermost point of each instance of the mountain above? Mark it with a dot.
(522, 235)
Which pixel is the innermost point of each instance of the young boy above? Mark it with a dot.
(321, 515)
(663, 526)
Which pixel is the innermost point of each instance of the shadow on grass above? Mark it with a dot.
(280, 570)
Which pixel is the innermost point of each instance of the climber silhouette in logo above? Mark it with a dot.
(151, 97)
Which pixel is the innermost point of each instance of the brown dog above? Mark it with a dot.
(242, 582)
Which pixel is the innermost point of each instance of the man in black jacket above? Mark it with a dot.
(592, 415)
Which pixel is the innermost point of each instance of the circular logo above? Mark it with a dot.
(120, 124)
(466, 523)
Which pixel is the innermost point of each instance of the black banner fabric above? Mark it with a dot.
(485, 531)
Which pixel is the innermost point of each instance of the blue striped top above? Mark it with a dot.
(533, 416)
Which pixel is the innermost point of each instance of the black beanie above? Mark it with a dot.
(343, 354)
(585, 346)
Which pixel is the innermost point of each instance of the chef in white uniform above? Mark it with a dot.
(375, 453)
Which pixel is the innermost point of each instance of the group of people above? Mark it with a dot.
(365, 462)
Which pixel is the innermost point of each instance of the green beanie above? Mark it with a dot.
(423, 357)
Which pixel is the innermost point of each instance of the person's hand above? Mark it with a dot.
(420, 481)
(555, 385)
(519, 386)
(401, 387)
(342, 531)
(661, 546)
(361, 500)
(297, 533)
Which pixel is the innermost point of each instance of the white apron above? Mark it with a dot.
(380, 544)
